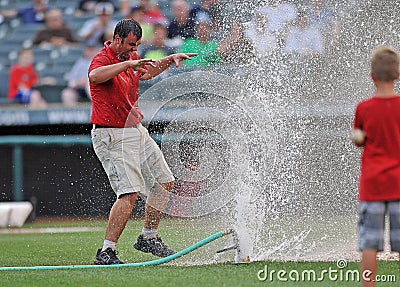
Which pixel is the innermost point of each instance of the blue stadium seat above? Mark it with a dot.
(4, 60)
(7, 5)
(75, 51)
(66, 62)
(4, 30)
(19, 4)
(57, 73)
(43, 55)
(18, 38)
(51, 93)
(9, 50)
(29, 30)
(76, 22)
(4, 74)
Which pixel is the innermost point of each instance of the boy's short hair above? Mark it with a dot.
(24, 49)
(385, 64)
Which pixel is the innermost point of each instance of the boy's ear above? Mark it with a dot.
(373, 77)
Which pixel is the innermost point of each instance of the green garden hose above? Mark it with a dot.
(146, 263)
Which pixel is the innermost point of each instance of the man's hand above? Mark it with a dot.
(180, 57)
(139, 65)
(153, 69)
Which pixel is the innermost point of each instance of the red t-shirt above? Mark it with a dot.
(379, 118)
(25, 76)
(115, 102)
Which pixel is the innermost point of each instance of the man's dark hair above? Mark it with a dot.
(126, 26)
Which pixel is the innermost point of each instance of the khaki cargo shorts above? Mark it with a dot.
(131, 158)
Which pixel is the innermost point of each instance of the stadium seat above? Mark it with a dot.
(4, 61)
(44, 56)
(18, 39)
(20, 4)
(64, 4)
(57, 72)
(4, 29)
(6, 5)
(28, 29)
(165, 7)
(76, 51)
(4, 74)
(51, 93)
(76, 22)
(67, 61)
(9, 52)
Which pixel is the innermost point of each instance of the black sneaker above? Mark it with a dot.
(107, 257)
(153, 245)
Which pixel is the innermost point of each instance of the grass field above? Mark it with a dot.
(199, 268)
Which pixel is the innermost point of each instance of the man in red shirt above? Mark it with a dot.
(377, 129)
(131, 158)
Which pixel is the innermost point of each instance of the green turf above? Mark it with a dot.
(79, 248)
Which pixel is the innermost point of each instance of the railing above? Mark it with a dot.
(17, 142)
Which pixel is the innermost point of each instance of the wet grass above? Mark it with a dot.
(80, 247)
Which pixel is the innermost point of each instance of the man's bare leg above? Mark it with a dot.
(156, 204)
(119, 215)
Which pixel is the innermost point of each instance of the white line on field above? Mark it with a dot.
(49, 230)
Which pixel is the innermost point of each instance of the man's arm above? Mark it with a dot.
(105, 73)
(161, 65)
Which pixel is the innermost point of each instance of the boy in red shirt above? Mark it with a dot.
(23, 78)
(377, 130)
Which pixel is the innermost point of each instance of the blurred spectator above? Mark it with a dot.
(32, 14)
(22, 79)
(78, 83)
(99, 29)
(88, 6)
(181, 26)
(236, 48)
(85, 7)
(263, 40)
(55, 33)
(325, 19)
(279, 15)
(202, 44)
(137, 14)
(158, 49)
(212, 8)
(303, 39)
(124, 8)
(152, 13)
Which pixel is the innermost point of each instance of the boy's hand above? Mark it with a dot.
(357, 136)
